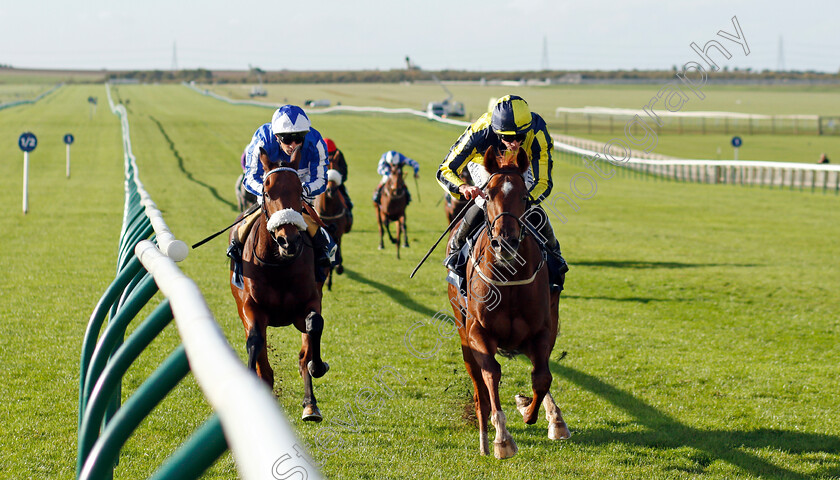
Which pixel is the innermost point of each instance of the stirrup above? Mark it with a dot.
(234, 251)
(451, 262)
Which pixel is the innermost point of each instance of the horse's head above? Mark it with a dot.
(333, 182)
(395, 180)
(507, 200)
(282, 205)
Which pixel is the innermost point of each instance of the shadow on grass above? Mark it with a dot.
(189, 175)
(626, 299)
(727, 445)
(645, 265)
(397, 295)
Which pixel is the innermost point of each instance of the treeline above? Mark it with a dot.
(206, 76)
(402, 75)
(199, 75)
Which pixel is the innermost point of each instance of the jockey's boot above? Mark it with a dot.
(552, 247)
(408, 196)
(234, 251)
(321, 246)
(377, 195)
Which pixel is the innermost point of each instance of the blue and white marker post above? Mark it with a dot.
(736, 142)
(27, 142)
(68, 139)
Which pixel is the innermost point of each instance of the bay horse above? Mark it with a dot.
(453, 206)
(508, 306)
(279, 286)
(332, 209)
(392, 207)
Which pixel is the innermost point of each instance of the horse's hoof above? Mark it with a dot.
(311, 414)
(339, 269)
(505, 449)
(381, 247)
(522, 403)
(318, 373)
(558, 431)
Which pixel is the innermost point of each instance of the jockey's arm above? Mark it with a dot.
(543, 162)
(315, 183)
(448, 174)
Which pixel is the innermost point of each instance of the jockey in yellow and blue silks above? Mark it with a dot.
(510, 125)
(288, 130)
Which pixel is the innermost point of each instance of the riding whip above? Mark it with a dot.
(417, 184)
(454, 221)
(211, 237)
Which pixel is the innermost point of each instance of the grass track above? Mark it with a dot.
(698, 320)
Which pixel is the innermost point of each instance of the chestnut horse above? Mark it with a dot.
(332, 209)
(279, 280)
(508, 306)
(391, 208)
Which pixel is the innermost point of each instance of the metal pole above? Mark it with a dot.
(25, 182)
(68, 160)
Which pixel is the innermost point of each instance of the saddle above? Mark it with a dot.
(458, 278)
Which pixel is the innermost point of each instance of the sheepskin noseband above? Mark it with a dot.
(334, 176)
(286, 216)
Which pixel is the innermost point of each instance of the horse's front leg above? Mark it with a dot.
(310, 363)
(255, 324)
(405, 230)
(381, 230)
(484, 351)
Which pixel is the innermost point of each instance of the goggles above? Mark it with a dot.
(519, 137)
(290, 138)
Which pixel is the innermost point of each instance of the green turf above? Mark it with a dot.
(700, 333)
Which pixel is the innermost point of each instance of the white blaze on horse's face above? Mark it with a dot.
(507, 187)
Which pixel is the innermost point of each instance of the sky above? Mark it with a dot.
(490, 35)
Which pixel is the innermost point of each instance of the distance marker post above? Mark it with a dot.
(68, 139)
(736, 142)
(27, 142)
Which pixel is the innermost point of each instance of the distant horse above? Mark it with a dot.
(279, 280)
(508, 306)
(332, 209)
(391, 208)
(244, 198)
(454, 206)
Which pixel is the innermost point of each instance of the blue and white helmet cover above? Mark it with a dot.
(290, 119)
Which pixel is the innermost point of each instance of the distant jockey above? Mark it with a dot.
(390, 159)
(336, 159)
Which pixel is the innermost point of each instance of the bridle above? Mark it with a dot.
(398, 192)
(524, 228)
(266, 199)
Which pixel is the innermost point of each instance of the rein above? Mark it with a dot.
(264, 209)
(336, 216)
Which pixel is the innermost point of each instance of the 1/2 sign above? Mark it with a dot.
(68, 139)
(27, 141)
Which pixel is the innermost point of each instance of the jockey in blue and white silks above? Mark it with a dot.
(312, 168)
(288, 130)
(393, 158)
